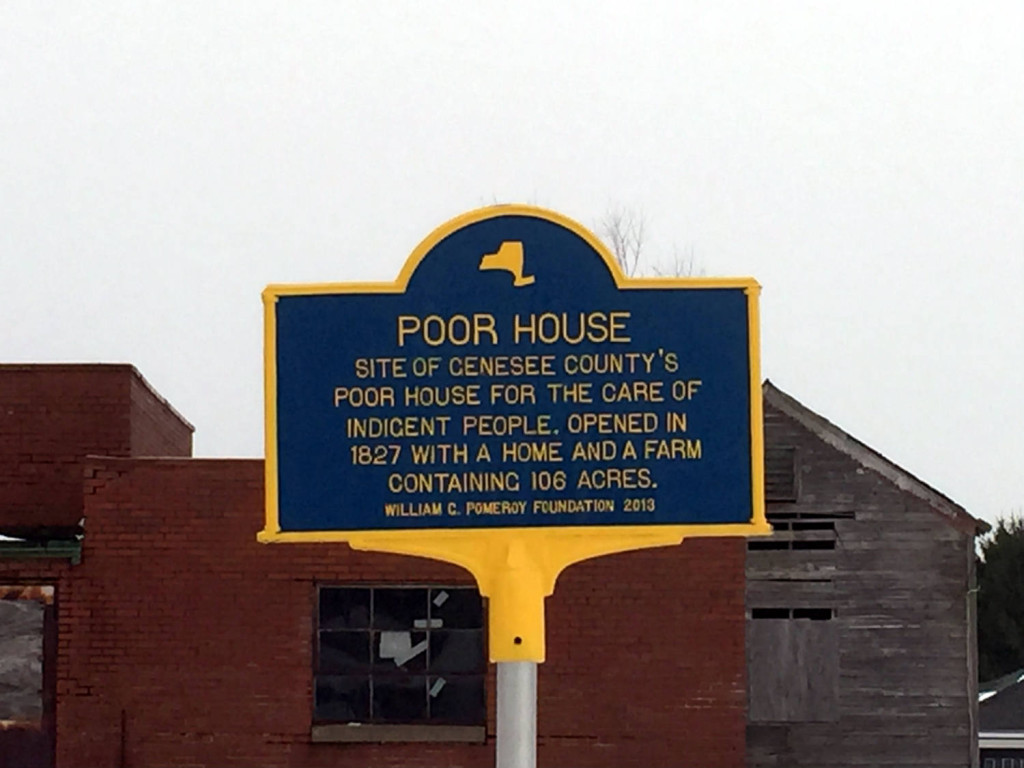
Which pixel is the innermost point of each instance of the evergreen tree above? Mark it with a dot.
(1001, 599)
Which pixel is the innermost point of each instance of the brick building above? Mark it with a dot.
(171, 637)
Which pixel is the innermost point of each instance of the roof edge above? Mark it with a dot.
(93, 460)
(100, 368)
(160, 398)
(871, 459)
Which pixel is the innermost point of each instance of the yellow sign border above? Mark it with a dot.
(515, 567)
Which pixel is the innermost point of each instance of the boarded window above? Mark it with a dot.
(792, 665)
(400, 655)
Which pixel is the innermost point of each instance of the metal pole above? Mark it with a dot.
(516, 745)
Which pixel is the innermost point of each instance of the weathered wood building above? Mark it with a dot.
(861, 647)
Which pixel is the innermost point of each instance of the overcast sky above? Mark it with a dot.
(160, 163)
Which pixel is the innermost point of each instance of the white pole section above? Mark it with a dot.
(516, 745)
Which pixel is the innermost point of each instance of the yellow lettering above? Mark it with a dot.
(618, 327)
(513, 394)
(428, 396)
(365, 397)
(594, 450)
(541, 451)
(610, 478)
(675, 422)
(501, 425)
(676, 448)
(611, 423)
(553, 328)
(484, 324)
(458, 330)
(632, 392)
(685, 390)
(437, 338)
(453, 482)
(407, 324)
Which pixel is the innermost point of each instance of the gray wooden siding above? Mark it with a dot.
(898, 581)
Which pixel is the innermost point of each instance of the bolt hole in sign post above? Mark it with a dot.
(513, 404)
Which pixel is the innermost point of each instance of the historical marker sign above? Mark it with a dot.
(513, 404)
(512, 377)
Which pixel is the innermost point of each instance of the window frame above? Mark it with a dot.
(373, 727)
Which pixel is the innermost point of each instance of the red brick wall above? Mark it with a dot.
(646, 660)
(185, 642)
(52, 416)
(42, 571)
(156, 428)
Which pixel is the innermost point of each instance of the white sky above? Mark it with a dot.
(161, 162)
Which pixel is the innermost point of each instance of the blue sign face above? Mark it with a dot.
(512, 377)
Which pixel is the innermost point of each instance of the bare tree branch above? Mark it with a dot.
(683, 264)
(624, 231)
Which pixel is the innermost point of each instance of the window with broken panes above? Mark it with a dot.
(402, 655)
